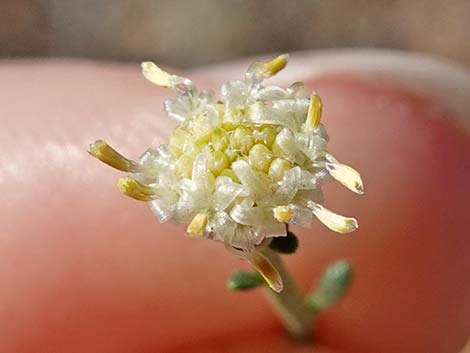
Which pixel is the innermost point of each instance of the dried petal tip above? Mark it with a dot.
(344, 174)
(156, 75)
(314, 111)
(197, 225)
(106, 154)
(283, 213)
(135, 189)
(270, 68)
(332, 220)
(266, 269)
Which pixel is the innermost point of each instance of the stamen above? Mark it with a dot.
(156, 75)
(283, 213)
(106, 154)
(133, 188)
(344, 174)
(276, 65)
(266, 269)
(197, 225)
(314, 111)
(270, 68)
(332, 220)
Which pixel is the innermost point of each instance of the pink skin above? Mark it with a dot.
(85, 269)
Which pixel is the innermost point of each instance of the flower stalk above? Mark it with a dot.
(297, 311)
(290, 304)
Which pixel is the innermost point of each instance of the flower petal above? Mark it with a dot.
(252, 216)
(344, 174)
(250, 179)
(226, 191)
(162, 78)
(162, 209)
(332, 220)
(286, 147)
(288, 186)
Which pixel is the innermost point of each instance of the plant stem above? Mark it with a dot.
(290, 304)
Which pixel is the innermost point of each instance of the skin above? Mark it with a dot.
(85, 269)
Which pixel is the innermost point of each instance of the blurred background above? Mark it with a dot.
(192, 33)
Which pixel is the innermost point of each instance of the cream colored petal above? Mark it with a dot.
(156, 75)
(266, 269)
(332, 220)
(344, 174)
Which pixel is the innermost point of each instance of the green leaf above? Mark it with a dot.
(242, 280)
(285, 245)
(331, 287)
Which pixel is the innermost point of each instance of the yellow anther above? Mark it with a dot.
(277, 64)
(197, 225)
(106, 154)
(270, 68)
(156, 75)
(283, 213)
(314, 111)
(135, 189)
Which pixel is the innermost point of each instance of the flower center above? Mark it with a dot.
(226, 144)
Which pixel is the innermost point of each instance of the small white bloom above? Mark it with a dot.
(238, 169)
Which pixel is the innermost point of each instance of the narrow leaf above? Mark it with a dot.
(242, 280)
(331, 287)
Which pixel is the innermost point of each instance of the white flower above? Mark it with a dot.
(238, 169)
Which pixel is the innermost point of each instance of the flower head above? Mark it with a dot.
(238, 169)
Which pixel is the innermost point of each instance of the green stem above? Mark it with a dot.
(290, 304)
